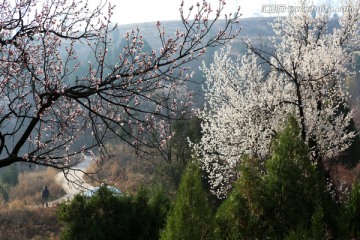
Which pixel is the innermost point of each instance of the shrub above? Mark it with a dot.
(105, 216)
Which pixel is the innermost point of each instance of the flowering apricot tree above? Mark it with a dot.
(45, 111)
(249, 99)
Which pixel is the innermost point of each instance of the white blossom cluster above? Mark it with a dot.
(248, 100)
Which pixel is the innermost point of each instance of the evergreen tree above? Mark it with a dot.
(191, 216)
(239, 216)
(349, 223)
(291, 182)
(272, 199)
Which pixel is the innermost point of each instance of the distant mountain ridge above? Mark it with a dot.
(251, 27)
(256, 29)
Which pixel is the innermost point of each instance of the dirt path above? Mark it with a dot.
(67, 182)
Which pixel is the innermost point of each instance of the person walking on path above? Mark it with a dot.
(45, 196)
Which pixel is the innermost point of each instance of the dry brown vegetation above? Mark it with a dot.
(346, 176)
(22, 216)
(38, 223)
(123, 170)
(28, 191)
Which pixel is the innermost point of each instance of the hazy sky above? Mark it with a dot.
(136, 11)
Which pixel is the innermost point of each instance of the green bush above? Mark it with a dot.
(105, 216)
(191, 217)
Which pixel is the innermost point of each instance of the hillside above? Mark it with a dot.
(253, 28)
(256, 29)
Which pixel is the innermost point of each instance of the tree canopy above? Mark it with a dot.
(303, 74)
(47, 110)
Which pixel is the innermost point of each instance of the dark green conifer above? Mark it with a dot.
(191, 216)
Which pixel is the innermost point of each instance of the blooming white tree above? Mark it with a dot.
(249, 99)
(45, 110)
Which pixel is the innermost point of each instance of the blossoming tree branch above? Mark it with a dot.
(45, 111)
(250, 98)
